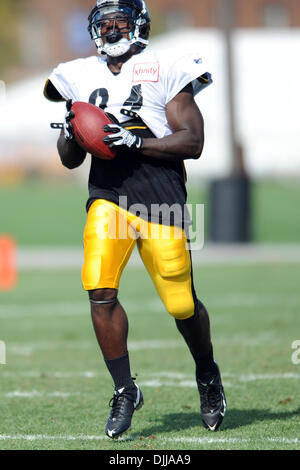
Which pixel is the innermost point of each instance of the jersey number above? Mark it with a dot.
(100, 98)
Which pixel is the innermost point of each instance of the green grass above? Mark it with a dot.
(275, 213)
(46, 325)
(45, 213)
(276, 210)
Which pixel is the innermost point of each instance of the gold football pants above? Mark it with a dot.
(109, 239)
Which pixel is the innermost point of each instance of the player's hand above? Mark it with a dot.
(119, 136)
(68, 128)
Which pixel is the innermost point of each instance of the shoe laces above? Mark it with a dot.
(210, 394)
(118, 400)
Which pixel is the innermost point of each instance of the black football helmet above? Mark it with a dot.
(135, 22)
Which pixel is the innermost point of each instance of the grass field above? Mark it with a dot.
(45, 213)
(55, 388)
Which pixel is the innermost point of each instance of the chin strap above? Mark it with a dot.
(118, 48)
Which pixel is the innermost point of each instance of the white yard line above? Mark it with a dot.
(155, 383)
(36, 394)
(66, 309)
(258, 299)
(155, 379)
(34, 374)
(154, 305)
(52, 258)
(255, 377)
(41, 309)
(44, 437)
(215, 440)
(182, 440)
(31, 348)
(28, 349)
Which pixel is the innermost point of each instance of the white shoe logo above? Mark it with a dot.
(138, 395)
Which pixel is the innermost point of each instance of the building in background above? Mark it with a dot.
(49, 33)
(56, 31)
(45, 34)
(249, 13)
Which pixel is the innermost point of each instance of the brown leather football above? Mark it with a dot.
(88, 129)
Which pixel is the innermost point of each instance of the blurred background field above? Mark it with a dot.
(53, 212)
(250, 112)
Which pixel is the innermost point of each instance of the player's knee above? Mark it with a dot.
(103, 298)
(180, 305)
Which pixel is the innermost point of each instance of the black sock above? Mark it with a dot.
(206, 367)
(196, 332)
(120, 371)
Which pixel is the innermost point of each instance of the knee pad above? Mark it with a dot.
(173, 265)
(180, 305)
(174, 260)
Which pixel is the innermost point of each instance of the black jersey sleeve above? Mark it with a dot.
(51, 93)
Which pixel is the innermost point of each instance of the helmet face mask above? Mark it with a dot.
(115, 25)
(110, 25)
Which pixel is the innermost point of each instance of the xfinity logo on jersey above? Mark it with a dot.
(148, 72)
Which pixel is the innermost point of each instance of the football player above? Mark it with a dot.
(157, 125)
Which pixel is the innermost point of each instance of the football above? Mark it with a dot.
(88, 129)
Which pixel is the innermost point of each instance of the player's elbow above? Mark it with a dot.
(69, 165)
(72, 162)
(71, 156)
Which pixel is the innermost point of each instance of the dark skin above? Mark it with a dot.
(186, 122)
(71, 155)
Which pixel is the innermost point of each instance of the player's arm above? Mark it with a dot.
(186, 122)
(71, 155)
(184, 119)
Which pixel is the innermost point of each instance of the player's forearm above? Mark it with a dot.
(181, 145)
(71, 155)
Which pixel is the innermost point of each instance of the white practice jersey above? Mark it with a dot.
(146, 84)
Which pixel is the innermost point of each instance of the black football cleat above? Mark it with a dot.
(124, 402)
(213, 402)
